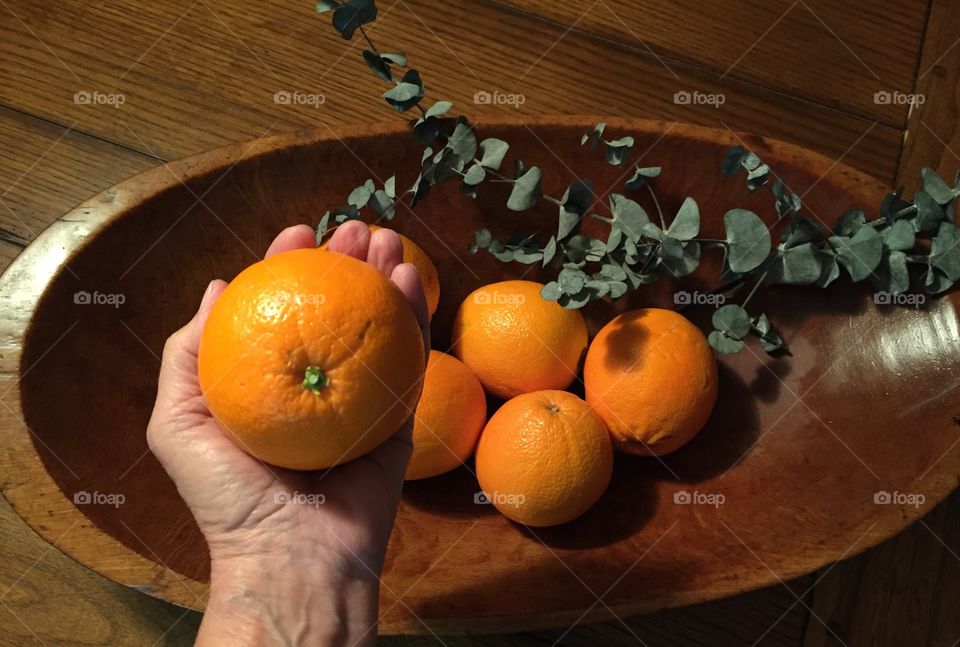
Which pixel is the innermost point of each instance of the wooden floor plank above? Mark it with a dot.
(46, 169)
(836, 53)
(197, 75)
(933, 130)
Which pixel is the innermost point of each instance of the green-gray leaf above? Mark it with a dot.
(748, 240)
(849, 223)
(640, 176)
(526, 190)
(352, 15)
(617, 150)
(860, 253)
(800, 265)
(549, 251)
(686, 224)
(628, 216)
(732, 320)
(407, 93)
(929, 213)
(945, 251)
(936, 187)
(397, 58)
(551, 291)
(377, 65)
(723, 344)
(594, 135)
(492, 152)
(571, 281)
(323, 6)
(899, 236)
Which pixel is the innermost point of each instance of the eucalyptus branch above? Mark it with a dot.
(636, 251)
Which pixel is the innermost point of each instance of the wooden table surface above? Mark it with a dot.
(190, 75)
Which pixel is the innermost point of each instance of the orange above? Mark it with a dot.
(449, 417)
(652, 377)
(544, 458)
(516, 341)
(310, 359)
(414, 254)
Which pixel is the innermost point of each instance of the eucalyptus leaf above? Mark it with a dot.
(526, 190)
(378, 65)
(549, 250)
(360, 196)
(628, 216)
(732, 320)
(641, 175)
(407, 93)
(860, 253)
(899, 236)
(945, 251)
(929, 212)
(723, 344)
(551, 291)
(594, 135)
(463, 141)
(892, 275)
(687, 262)
(732, 159)
(322, 227)
(382, 204)
(748, 240)
(324, 6)
(686, 224)
(937, 281)
(571, 281)
(936, 187)
(800, 265)
(618, 149)
(351, 15)
(573, 205)
(397, 58)
(800, 230)
(849, 223)
(492, 152)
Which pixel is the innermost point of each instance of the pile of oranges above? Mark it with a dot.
(543, 458)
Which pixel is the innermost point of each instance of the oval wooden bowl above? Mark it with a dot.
(797, 448)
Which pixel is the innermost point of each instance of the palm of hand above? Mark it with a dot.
(244, 506)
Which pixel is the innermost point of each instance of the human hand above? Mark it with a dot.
(276, 533)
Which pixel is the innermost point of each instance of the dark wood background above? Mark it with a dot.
(195, 74)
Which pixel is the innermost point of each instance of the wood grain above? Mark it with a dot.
(932, 137)
(193, 89)
(198, 75)
(152, 226)
(811, 49)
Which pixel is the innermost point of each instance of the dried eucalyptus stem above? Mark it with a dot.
(638, 251)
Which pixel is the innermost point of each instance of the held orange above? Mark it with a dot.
(516, 341)
(652, 377)
(310, 359)
(544, 458)
(414, 254)
(449, 417)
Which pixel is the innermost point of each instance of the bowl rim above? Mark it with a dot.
(26, 280)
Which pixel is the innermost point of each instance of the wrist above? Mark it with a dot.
(290, 597)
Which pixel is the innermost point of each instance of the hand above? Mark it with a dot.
(311, 562)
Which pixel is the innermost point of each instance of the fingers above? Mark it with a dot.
(351, 238)
(406, 277)
(296, 237)
(386, 251)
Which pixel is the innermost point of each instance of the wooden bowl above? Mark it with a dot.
(792, 472)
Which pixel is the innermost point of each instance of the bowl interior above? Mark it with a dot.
(793, 455)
